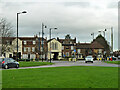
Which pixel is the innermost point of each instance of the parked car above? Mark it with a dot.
(119, 57)
(89, 59)
(8, 63)
(113, 58)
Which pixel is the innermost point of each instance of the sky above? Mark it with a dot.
(79, 18)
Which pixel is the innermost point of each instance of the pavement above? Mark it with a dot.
(71, 63)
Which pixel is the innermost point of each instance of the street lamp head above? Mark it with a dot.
(45, 26)
(24, 12)
(55, 28)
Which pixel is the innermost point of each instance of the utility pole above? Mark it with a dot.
(50, 42)
(17, 32)
(39, 45)
(92, 34)
(43, 26)
(111, 39)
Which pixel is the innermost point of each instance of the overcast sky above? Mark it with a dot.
(79, 18)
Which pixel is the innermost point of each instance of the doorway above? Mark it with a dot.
(55, 57)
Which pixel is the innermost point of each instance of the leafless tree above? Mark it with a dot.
(6, 30)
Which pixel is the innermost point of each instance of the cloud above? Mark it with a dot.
(79, 19)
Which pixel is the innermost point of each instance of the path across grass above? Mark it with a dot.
(30, 64)
(62, 77)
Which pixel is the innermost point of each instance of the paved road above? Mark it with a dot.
(77, 63)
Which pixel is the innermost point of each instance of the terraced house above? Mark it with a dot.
(31, 48)
(28, 47)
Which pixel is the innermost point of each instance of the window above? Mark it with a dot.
(79, 51)
(70, 42)
(52, 46)
(33, 49)
(100, 50)
(25, 56)
(25, 42)
(28, 49)
(34, 42)
(62, 47)
(56, 46)
(24, 49)
(71, 47)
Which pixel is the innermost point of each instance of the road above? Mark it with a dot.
(71, 63)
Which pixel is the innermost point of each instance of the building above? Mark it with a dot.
(84, 49)
(31, 48)
(68, 46)
(55, 50)
(28, 47)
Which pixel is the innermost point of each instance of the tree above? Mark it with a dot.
(6, 30)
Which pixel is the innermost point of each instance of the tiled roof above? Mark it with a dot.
(92, 45)
(83, 45)
(96, 45)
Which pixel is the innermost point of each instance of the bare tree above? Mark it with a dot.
(6, 30)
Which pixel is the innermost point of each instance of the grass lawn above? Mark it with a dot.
(29, 64)
(113, 62)
(62, 77)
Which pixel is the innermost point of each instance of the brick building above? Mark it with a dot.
(68, 46)
(28, 47)
(84, 49)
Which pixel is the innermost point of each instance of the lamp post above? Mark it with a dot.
(92, 34)
(50, 42)
(43, 26)
(17, 31)
(104, 32)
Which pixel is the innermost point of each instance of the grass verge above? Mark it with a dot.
(113, 62)
(30, 64)
(62, 77)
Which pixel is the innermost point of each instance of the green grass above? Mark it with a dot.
(113, 62)
(29, 64)
(62, 77)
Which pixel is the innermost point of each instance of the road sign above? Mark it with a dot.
(74, 50)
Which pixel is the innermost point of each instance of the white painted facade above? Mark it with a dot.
(13, 48)
(56, 47)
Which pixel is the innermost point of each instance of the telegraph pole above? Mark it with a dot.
(111, 39)
(39, 45)
(92, 34)
(42, 41)
(43, 26)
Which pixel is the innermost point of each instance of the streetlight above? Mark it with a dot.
(92, 34)
(104, 32)
(43, 26)
(50, 42)
(17, 31)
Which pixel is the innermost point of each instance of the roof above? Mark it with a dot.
(94, 45)
(52, 39)
(83, 45)
(21, 38)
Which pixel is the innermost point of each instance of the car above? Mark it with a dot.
(113, 58)
(89, 59)
(119, 57)
(7, 63)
